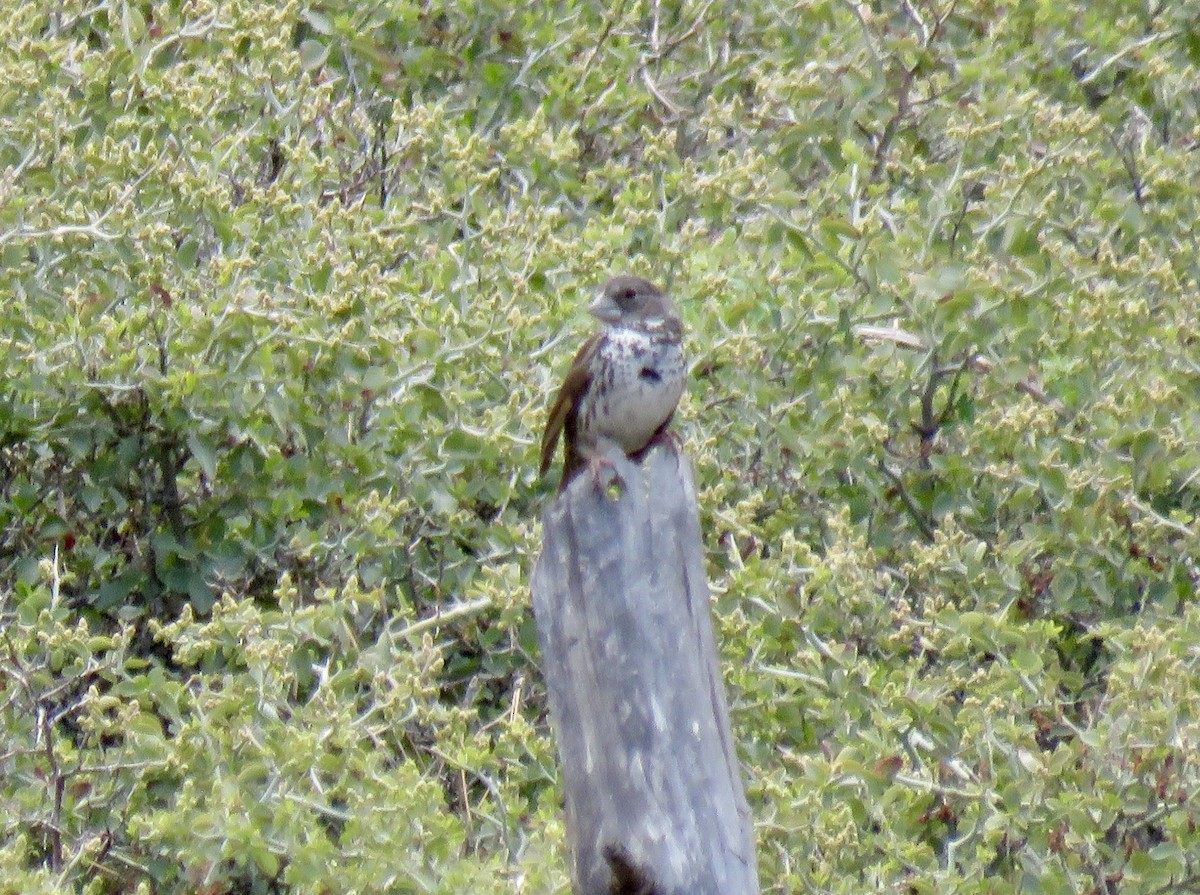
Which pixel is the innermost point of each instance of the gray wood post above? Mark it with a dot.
(653, 792)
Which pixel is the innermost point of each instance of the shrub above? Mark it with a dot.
(288, 289)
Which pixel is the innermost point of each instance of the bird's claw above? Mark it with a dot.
(605, 478)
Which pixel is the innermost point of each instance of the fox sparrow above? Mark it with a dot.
(625, 381)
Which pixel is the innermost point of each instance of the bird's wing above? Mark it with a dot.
(573, 386)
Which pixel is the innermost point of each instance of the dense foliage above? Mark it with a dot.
(287, 287)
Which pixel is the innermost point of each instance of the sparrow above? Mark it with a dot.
(624, 382)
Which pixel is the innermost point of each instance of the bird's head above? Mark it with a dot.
(631, 300)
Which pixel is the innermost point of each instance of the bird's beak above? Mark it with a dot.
(603, 309)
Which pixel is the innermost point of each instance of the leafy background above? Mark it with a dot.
(287, 288)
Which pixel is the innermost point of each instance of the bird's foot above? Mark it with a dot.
(669, 439)
(605, 478)
(602, 466)
(665, 437)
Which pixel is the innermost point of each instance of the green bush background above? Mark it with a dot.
(286, 289)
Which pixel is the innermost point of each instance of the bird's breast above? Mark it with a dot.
(635, 386)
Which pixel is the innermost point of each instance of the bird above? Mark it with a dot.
(624, 383)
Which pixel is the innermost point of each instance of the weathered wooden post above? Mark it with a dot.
(654, 799)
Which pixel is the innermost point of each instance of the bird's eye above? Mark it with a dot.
(626, 296)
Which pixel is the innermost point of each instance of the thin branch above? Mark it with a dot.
(976, 362)
(453, 613)
(1121, 54)
(914, 511)
(600, 41)
(93, 230)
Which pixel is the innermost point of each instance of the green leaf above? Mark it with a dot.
(313, 54)
(186, 255)
(204, 453)
(317, 20)
(1027, 661)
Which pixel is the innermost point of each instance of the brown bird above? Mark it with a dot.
(624, 383)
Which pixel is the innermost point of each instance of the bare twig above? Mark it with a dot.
(914, 512)
(461, 610)
(1122, 53)
(609, 22)
(975, 362)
